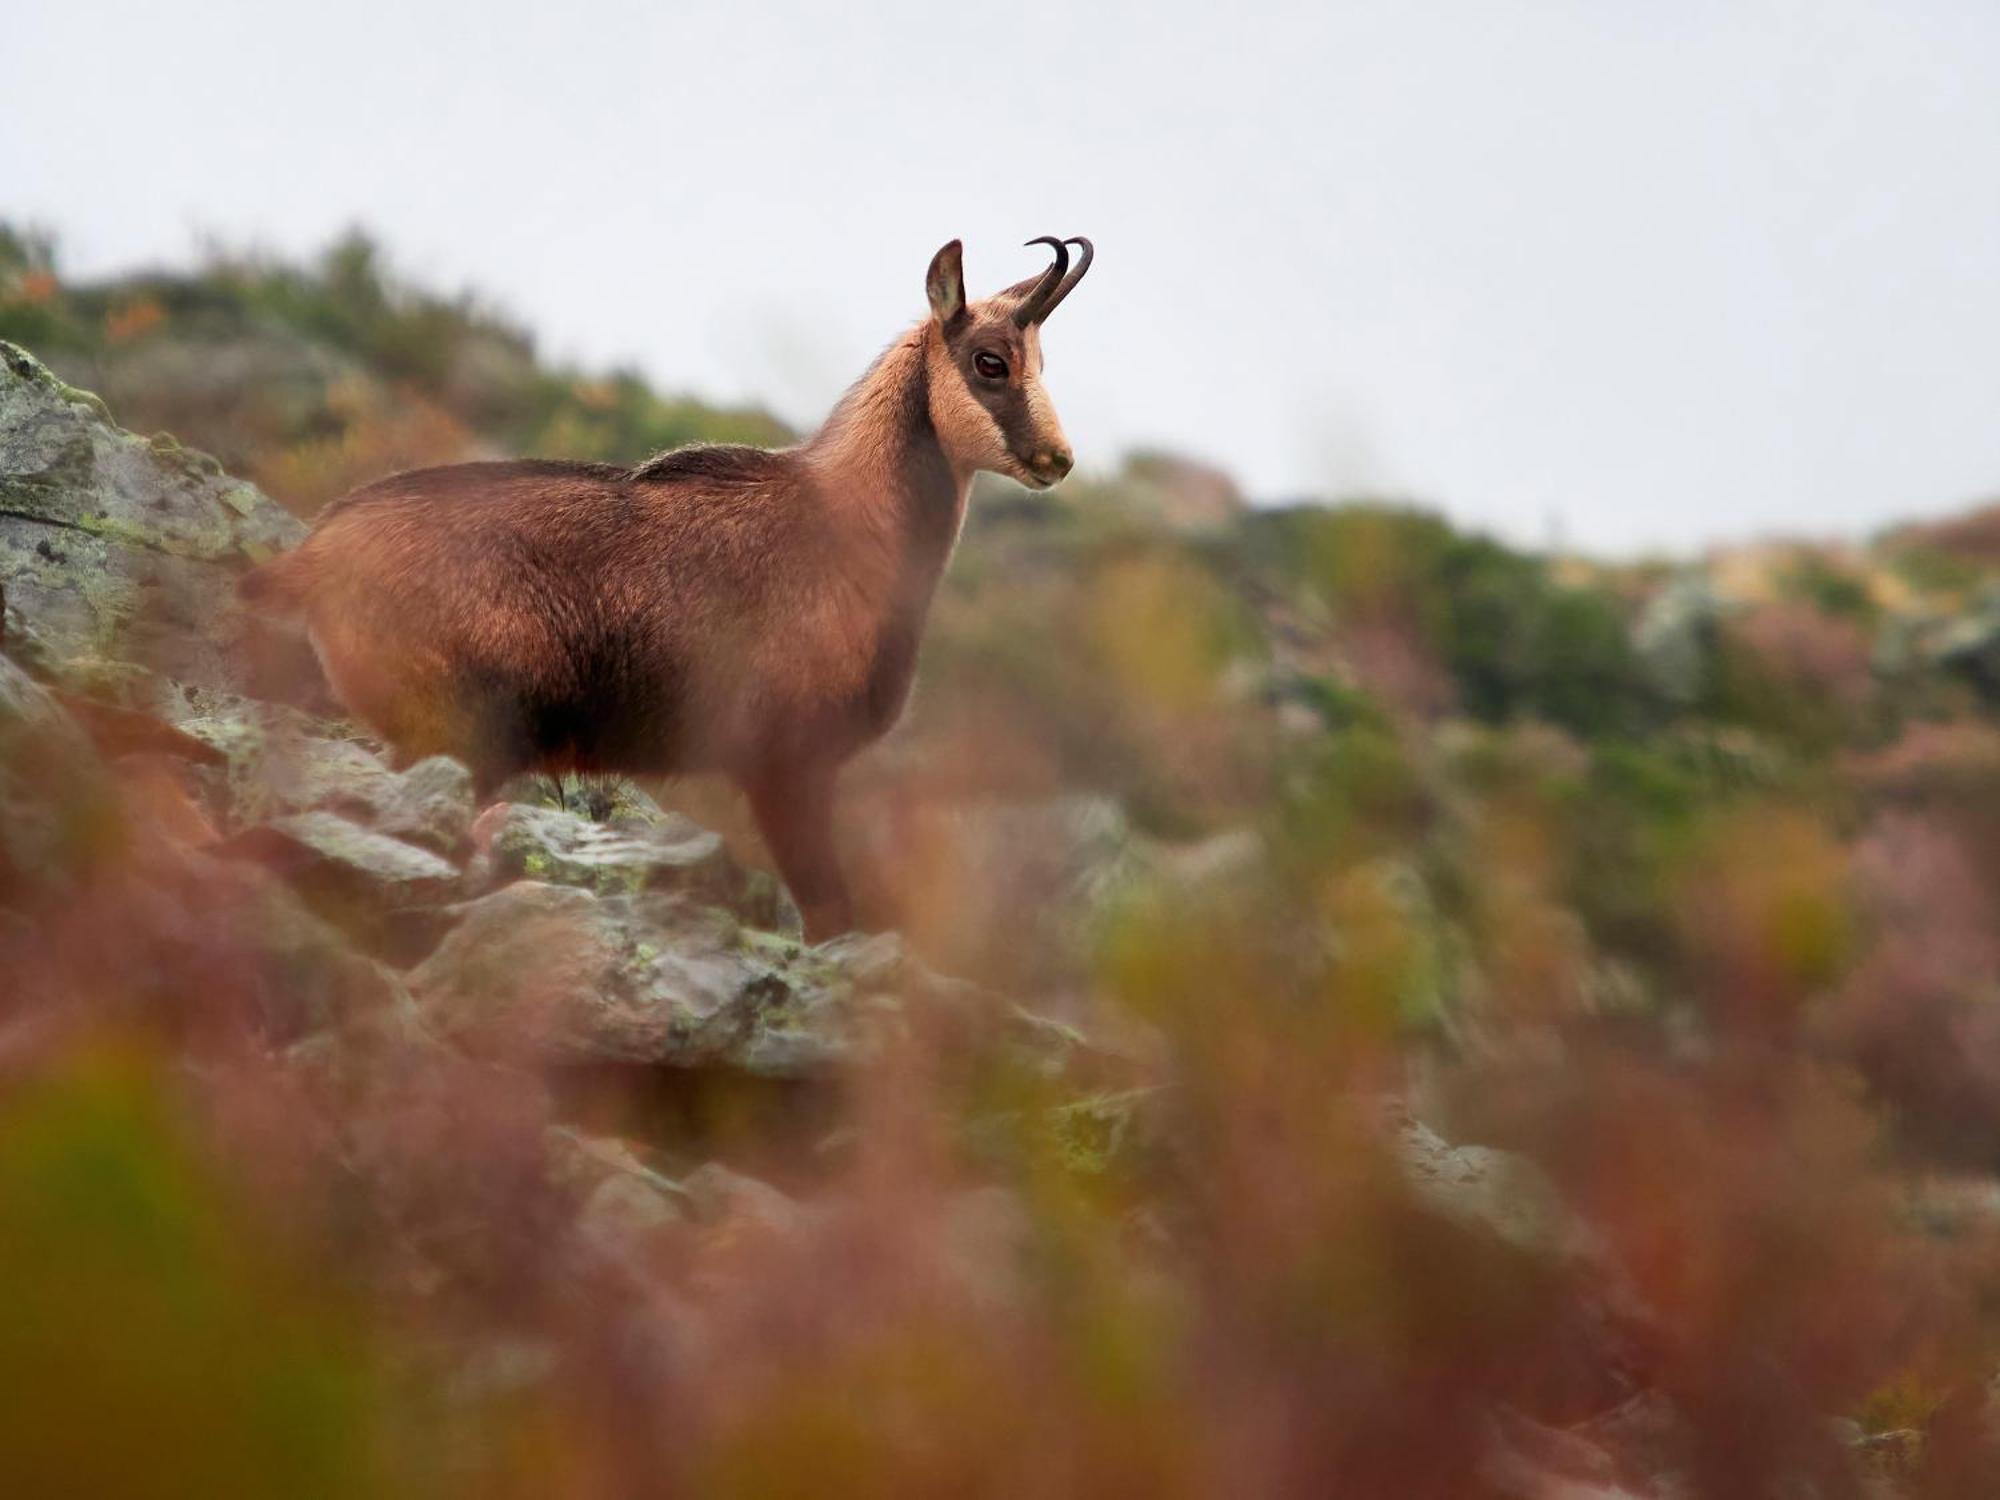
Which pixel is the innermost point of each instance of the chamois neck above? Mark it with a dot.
(896, 500)
(878, 449)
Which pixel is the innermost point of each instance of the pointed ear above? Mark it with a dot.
(944, 284)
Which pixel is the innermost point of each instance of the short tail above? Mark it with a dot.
(277, 586)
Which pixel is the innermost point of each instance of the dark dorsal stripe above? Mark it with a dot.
(724, 463)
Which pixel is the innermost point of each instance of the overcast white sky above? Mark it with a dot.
(1649, 273)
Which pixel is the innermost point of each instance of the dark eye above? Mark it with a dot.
(992, 366)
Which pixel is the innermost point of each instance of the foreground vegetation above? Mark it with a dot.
(1260, 835)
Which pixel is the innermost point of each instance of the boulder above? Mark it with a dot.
(118, 551)
(1603, 1339)
(624, 1208)
(1490, 1192)
(281, 761)
(370, 884)
(647, 977)
(302, 972)
(668, 853)
(429, 805)
(716, 1195)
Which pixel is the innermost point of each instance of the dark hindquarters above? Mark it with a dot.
(499, 743)
(602, 703)
(793, 805)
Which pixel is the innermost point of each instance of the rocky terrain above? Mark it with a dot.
(361, 1140)
(636, 940)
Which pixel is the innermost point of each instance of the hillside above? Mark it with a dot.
(310, 380)
(1351, 1006)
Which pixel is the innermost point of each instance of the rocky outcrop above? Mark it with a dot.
(117, 551)
(537, 934)
(558, 973)
(648, 851)
(439, 983)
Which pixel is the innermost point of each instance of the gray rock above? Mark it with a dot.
(671, 853)
(260, 743)
(370, 1051)
(624, 1215)
(1608, 1330)
(282, 761)
(305, 974)
(1528, 1460)
(561, 974)
(352, 874)
(717, 1195)
(623, 1205)
(21, 641)
(1492, 1192)
(429, 805)
(118, 550)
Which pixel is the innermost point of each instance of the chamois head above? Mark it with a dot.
(985, 363)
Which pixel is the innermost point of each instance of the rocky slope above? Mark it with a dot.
(118, 558)
(512, 1040)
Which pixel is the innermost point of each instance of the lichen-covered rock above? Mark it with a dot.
(649, 978)
(429, 805)
(281, 761)
(669, 853)
(554, 974)
(644, 978)
(259, 742)
(22, 642)
(116, 548)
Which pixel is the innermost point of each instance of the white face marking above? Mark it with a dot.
(973, 436)
(1042, 415)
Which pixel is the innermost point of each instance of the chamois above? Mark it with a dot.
(717, 608)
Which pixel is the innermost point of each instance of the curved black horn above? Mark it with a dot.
(1036, 303)
(1062, 291)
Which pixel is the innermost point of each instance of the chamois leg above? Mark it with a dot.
(794, 811)
(496, 744)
